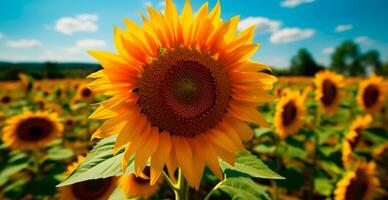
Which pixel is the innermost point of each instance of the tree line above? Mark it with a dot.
(346, 59)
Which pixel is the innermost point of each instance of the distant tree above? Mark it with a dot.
(346, 59)
(304, 64)
(372, 59)
(384, 70)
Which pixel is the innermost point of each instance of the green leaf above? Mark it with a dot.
(244, 188)
(249, 164)
(15, 164)
(295, 178)
(264, 148)
(332, 168)
(294, 149)
(118, 194)
(101, 163)
(58, 153)
(376, 135)
(323, 186)
(261, 132)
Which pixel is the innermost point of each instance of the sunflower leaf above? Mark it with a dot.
(249, 164)
(15, 164)
(243, 188)
(101, 163)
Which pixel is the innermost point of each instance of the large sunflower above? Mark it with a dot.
(353, 137)
(359, 184)
(98, 189)
(182, 91)
(289, 113)
(327, 92)
(371, 95)
(139, 186)
(32, 130)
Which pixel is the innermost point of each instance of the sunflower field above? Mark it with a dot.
(181, 111)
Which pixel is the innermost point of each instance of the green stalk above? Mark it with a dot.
(278, 165)
(182, 187)
(316, 144)
(215, 188)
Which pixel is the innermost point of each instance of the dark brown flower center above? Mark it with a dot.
(358, 186)
(86, 92)
(184, 92)
(34, 129)
(5, 99)
(70, 122)
(92, 189)
(289, 113)
(329, 91)
(356, 139)
(371, 95)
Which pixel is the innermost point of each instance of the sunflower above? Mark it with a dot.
(99, 189)
(26, 82)
(289, 113)
(139, 186)
(84, 93)
(371, 95)
(32, 130)
(353, 137)
(360, 184)
(327, 92)
(5, 99)
(182, 89)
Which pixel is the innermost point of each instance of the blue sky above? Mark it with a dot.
(61, 30)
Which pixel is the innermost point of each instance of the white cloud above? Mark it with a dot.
(294, 3)
(1, 35)
(343, 28)
(85, 44)
(147, 3)
(328, 50)
(24, 43)
(263, 25)
(288, 35)
(79, 23)
(363, 40)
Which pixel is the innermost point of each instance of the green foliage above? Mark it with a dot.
(58, 153)
(249, 164)
(101, 163)
(295, 178)
(16, 163)
(304, 64)
(346, 59)
(244, 188)
(10, 71)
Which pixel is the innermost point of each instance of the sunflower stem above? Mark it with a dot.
(215, 188)
(182, 192)
(278, 164)
(170, 182)
(36, 161)
(316, 144)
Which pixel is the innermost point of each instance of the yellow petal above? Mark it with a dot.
(247, 112)
(160, 156)
(220, 139)
(240, 127)
(136, 133)
(184, 158)
(208, 155)
(145, 152)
